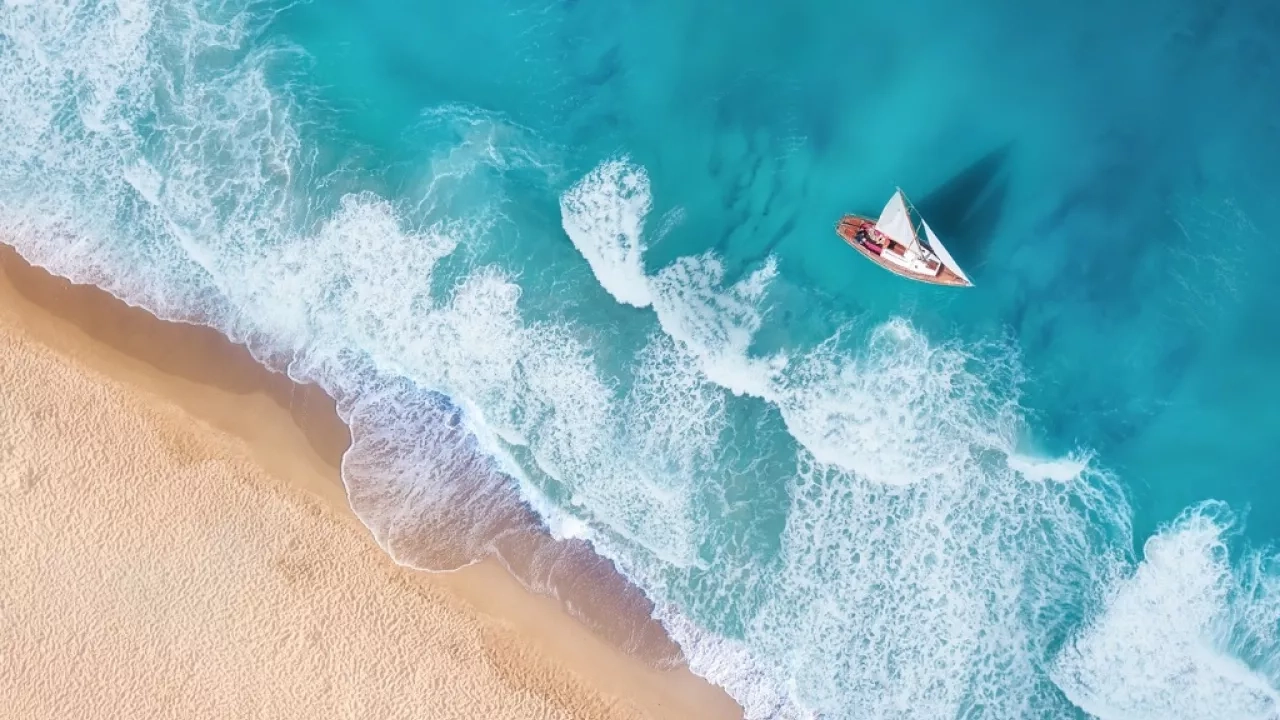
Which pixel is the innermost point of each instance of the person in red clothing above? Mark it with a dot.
(865, 238)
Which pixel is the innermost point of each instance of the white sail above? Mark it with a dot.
(936, 246)
(895, 220)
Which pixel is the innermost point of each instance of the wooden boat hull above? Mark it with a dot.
(848, 228)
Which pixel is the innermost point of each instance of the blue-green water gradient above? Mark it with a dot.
(848, 495)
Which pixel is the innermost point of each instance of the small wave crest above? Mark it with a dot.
(1063, 469)
(921, 566)
(604, 215)
(146, 152)
(1187, 634)
(899, 412)
(924, 564)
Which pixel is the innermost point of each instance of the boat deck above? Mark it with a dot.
(930, 271)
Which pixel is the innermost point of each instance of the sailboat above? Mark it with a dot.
(893, 242)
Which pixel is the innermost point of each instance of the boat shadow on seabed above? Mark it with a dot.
(969, 206)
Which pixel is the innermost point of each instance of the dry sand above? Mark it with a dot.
(174, 543)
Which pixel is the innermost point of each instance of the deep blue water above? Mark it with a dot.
(605, 230)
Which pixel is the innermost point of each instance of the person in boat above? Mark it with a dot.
(863, 237)
(876, 239)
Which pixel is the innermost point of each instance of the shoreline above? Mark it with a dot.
(292, 432)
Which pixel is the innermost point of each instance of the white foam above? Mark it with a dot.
(82, 166)
(201, 220)
(1185, 635)
(363, 280)
(751, 680)
(717, 325)
(916, 552)
(604, 215)
(918, 601)
(897, 413)
(676, 416)
(1063, 469)
(146, 151)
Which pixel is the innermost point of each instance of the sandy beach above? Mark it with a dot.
(177, 544)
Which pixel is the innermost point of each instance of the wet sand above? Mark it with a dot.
(178, 544)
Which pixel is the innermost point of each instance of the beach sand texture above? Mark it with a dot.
(157, 564)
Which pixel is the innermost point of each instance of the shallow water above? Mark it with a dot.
(605, 232)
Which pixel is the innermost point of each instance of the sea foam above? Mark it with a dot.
(914, 564)
(915, 555)
(1188, 633)
(928, 567)
(604, 216)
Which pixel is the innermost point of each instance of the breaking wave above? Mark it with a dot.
(1189, 633)
(846, 529)
(928, 567)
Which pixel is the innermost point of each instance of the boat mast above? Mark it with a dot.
(915, 232)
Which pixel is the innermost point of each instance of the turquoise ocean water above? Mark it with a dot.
(604, 232)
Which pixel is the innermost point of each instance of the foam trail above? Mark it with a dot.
(1054, 469)
(916, 566)
(876, 415)
(363, 281)
(921, 574)
(151, 156)
(217, 218)
(1188, 634)
(734, 666)
(604, 216)
(901, 412)
(88, 191)
(717, 325)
